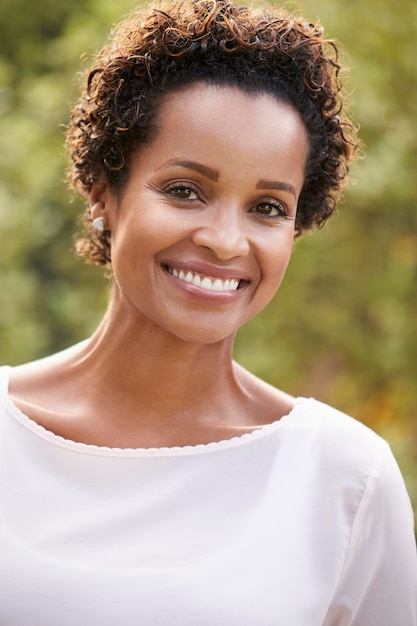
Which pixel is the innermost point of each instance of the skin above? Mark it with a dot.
(214, 195)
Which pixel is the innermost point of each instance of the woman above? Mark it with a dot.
(145, 477)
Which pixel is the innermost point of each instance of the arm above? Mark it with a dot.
(378, 581)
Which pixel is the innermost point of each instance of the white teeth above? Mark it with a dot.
(206, 284)
(215, 284)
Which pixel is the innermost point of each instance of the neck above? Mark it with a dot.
(146, 367)
(132, 384)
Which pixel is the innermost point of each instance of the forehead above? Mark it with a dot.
(201, 102)
(224, 125)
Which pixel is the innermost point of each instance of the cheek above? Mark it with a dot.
(136, 247)
(274, 264)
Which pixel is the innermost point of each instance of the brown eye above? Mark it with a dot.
(270, 209)
(182, 192)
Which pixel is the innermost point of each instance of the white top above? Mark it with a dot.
(305, 522)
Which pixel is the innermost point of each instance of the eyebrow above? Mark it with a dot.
(276, 184)
(207, 171)
(214, 174)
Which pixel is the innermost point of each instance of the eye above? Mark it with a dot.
(182, 191)
(270, 209)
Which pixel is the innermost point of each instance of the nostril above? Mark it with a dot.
(224, 243)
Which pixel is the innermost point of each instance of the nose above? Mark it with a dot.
(223, 232)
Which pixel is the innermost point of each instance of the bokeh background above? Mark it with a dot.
(343, 326)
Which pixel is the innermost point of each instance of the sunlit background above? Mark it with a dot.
(343, 326)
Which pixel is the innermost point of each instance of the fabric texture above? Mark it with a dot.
(305, 522)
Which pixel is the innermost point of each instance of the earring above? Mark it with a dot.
(98, 224)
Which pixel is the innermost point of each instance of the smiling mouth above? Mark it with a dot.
(205, 282)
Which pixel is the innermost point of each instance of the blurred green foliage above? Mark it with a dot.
(342, 327)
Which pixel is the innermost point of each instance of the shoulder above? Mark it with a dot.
(337, 443)
(5, 371)
(332, 424)
(361, 489)
(36, 379)
(350, 465)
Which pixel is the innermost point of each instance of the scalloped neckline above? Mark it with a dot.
(77, 446)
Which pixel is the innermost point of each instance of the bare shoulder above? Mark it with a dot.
(47, 391)
(269, 403)
(34, 382)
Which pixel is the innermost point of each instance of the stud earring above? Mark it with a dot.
(98, 224)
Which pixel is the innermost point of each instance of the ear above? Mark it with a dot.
(101, 201)
(97, 200)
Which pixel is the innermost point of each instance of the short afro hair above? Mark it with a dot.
(174, 43)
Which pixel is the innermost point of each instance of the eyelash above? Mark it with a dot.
(282, 211)
(174, 188)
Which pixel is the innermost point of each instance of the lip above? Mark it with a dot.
(207, 271)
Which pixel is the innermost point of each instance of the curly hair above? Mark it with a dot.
(175, 43)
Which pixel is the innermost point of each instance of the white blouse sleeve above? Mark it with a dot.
(378, 582)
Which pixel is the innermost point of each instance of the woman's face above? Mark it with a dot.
(203, 230)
